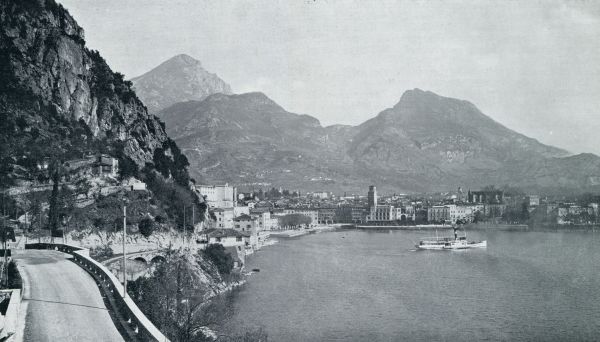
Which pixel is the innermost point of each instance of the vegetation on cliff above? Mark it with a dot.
(61, 102)
(179, 298)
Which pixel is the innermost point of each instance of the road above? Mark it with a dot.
(61, 302)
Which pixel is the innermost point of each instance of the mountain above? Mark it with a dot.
(426, 142)
(60, 101)
(178, 79)
(429, 138)
(251, 139)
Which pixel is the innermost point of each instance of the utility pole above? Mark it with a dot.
(40, 232)
(184, 229)
(193, 217)
(5, 268)
(124, 253)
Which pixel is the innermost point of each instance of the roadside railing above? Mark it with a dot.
(141, 326)
(9, 321)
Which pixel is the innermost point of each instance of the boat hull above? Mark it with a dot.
(452, 245)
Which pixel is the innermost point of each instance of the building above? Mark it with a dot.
(593, 209)
(106, 166)
(350, 214)
(320, 195)
(218, 196)
(313, 214)
(235, 243)
(461, 212)
(533, 200)
(486, 196)
(223, 218)
(237, 211)
(405, 213)
(225, 237)
(249, 225)
(245, 223)
(265, 221)
(381, 213)
(372, 196)
(326, 215)
(438, 213)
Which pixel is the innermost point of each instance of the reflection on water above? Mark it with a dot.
(373, 286)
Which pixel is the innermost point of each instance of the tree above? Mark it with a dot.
(83, 186)
(217, 254)
(146, 226)
(53, 213)
(294, 220)
(478, 217)
(171, 297)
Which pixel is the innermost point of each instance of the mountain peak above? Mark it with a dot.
(183, 59)
(425, 96)
(178, 79)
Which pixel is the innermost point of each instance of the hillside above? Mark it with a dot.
(61, 104)
(426, 142)
(426, 138)
(248, 138)
(181, 78)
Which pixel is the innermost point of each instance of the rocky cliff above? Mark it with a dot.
(59, 99)
(181, 78)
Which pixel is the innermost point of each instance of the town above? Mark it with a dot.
(256, 215)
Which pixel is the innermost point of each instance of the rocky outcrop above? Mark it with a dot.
(181, 78)
(58, 99)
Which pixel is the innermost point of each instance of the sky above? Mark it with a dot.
(532, 65)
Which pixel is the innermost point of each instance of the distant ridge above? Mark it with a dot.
(425, 142)
(180, 78)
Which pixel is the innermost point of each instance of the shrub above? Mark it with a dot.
(217, 254)
(146, 226)
(101, 252)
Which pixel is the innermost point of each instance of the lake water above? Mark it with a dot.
(372, 286)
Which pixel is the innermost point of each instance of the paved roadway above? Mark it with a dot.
(61, 301)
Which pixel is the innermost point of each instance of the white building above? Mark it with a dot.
(265, 221)
(381, 213)
(321, 195)
(223, 217)
(249, 225)
(218, 196)
(451, 213)
(243, 210)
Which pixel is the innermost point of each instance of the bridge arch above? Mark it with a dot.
(158, 258)
(141, 260)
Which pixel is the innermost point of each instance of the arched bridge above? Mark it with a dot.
(138, 263)
(148, 257)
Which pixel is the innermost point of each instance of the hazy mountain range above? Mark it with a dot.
(424, 142)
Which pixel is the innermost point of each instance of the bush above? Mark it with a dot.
(101, 252)
(217, 254)
(146, 226)
(294, 220)
(14, 277)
